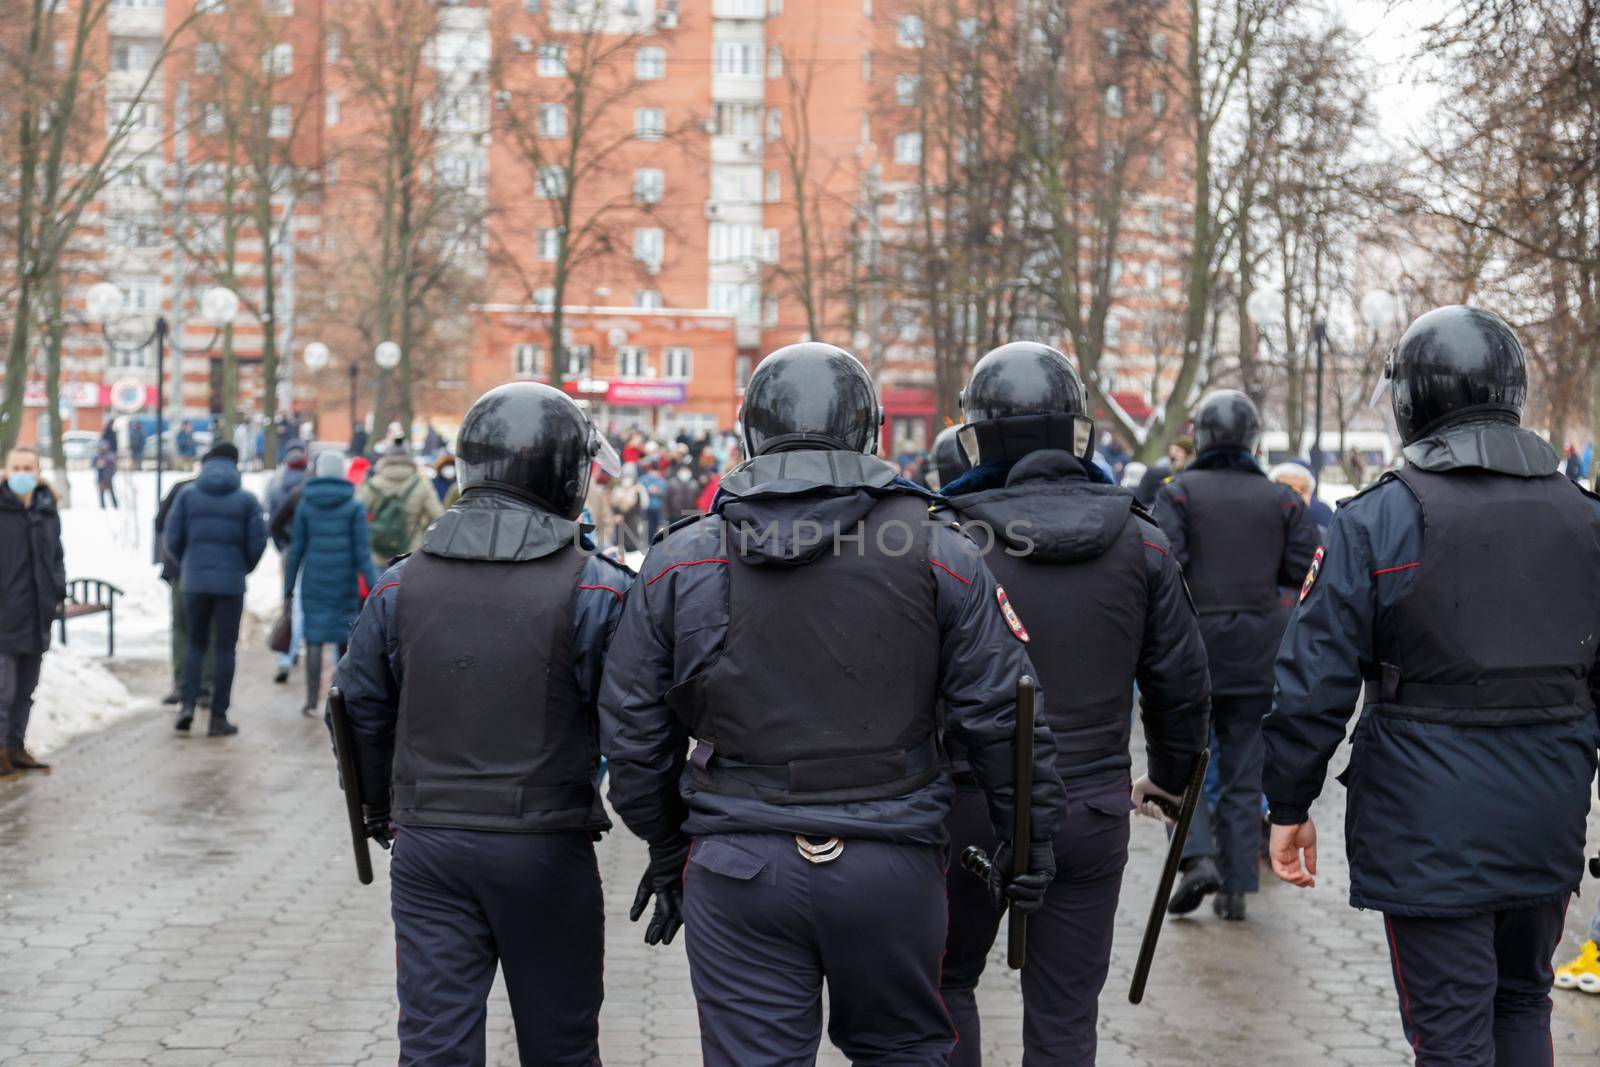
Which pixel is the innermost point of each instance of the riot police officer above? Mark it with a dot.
(1095, 583)
(1463, 593)
(947, 460)
(803, 634)
(471, 683)
(1240, 538)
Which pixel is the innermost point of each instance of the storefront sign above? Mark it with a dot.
(650, 393)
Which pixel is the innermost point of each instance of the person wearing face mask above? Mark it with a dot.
(33, 581)
(681, 498)
(444, 478)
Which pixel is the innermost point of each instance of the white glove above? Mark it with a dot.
(1143, 790)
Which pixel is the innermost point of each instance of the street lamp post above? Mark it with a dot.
(387, 356)
(218, 306)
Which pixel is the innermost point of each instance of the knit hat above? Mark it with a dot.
(223, 450)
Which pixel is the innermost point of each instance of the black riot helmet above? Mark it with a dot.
(948, 461)
(1226, 418)
(532, 441)
(810, 396)
(1455, 361)
(1023, 397)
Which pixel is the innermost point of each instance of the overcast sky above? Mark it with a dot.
(1390, 30)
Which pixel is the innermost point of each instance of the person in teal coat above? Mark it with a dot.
(330, 541)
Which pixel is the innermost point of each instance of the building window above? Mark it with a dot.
(649, 248)
(737, 59)
(866, 66)
(774, 62)
(647, 298)
(774, 188)
(631, 362)
(908, 148)
(281, 8)
(741, 371)
(677, 363)
(532, 7)
(968, 28)
(131, 57)
(544, 297)
(552, 120)
(774, 8)
(1111, 42)
(737, 120)
(210, 7)
(332, 47)
(741, 299)
(650, 64)
(1113, 331)
(910, 33)
(649, 184)
(551, 183)
(208, 57)
(649, 123)
(580, 361)
(769, 246)
(1113, 101)
(774, 124)
(552, 62)
(279, 60)
(905, 89)
(330, 110)
(733, 242)
(124, 114)
(1158, 46)
(527, 361)
(211, 118)
(905, 207)
(1158, 103)
(1155, 167)
(549, 244)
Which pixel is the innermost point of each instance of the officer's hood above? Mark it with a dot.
(489, 524)
(1047, 501)
(1492, 444)
(783, 507)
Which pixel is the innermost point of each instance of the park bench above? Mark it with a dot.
(91, 596)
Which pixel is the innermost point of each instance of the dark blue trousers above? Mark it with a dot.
(1069, 939)
(1233, 833)
(214, 624)
(764, 928)
(465, 900)
(1475, 992)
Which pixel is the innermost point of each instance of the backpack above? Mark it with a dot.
(387, 526)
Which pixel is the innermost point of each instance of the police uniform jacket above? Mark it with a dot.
(1461, 596)
(675, 633)
(462, 669)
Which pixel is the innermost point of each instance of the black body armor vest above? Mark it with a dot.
(826, 686)
(493, 734)
(1499, 621)
(1086, 623)
(1235, 537)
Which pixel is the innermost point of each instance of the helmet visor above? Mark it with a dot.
(601, 451)
(1385, 380)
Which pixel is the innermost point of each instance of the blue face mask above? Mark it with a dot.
(22, 482)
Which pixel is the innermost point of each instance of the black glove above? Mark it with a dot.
(663, 879)
(376, 822)
(1025, 892)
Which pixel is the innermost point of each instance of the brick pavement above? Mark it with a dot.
(170, 902)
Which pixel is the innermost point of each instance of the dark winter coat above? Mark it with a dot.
(169, 566)
(215, 532)
(33, 575)
(329, 542)
(675, 623)
(1442, 819)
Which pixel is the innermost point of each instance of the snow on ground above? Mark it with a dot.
(78, 690)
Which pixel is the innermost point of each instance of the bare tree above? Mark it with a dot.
(564, 107)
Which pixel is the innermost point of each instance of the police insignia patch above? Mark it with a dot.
(1009, 613)
(1311, 574)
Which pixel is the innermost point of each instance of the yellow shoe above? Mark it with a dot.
(1583, 973)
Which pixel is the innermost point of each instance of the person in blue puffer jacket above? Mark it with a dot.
(215, 535)
(330, 553)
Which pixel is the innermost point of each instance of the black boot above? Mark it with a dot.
(185, 719)
(282, 677)
(1229, 906)
(1199, 881)
(174, 697)
(221, 727)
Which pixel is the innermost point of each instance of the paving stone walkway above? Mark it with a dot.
(169, 901)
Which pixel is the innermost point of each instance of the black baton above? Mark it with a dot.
(1169, 872)
(974, 859)
(344, 747)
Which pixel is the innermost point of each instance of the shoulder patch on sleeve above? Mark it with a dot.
(1009, 613)
(1312, 573)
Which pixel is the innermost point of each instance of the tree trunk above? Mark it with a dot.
(52, 393)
